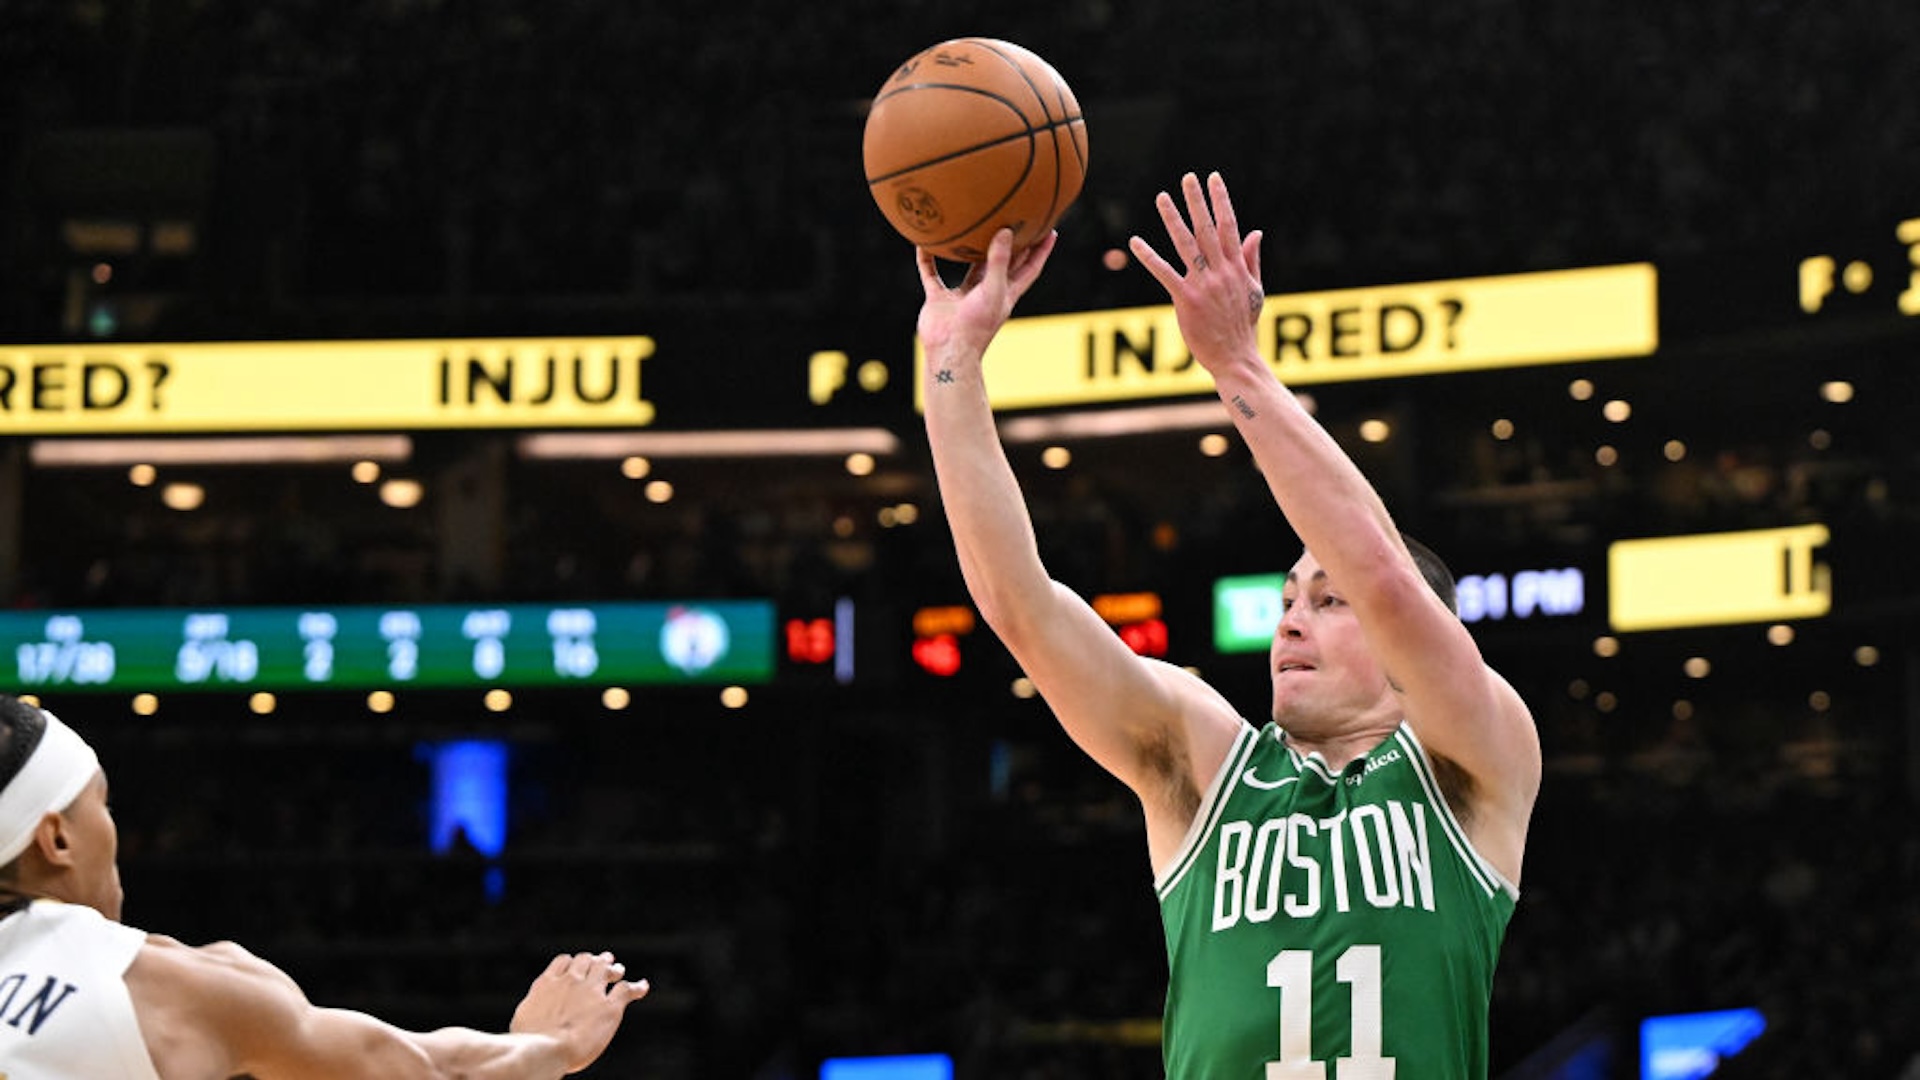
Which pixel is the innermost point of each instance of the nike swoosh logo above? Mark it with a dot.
(1265, 785)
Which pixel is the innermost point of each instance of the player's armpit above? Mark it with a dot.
(1487, 757)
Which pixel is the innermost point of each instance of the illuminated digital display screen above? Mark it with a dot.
(1693, 1045)
(1346, 335)
(895, 1067)
(1521, 594)
(325, 385)
(370, 647)
(1712, 579)
(1246, 610)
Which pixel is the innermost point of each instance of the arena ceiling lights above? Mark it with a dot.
(1103, 423)
(812, 442)
(238, 450)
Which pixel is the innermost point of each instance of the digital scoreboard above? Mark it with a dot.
(390, 646)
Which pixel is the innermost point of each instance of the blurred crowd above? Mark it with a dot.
(381, 150)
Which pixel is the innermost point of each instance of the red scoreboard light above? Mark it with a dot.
(936, 638)
(810, 641)
(938, 655)
(820, 641)
(1136, 617)
(1147, 637)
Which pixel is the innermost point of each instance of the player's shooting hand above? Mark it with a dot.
(967, 316)
(1219, 297)
(578, 1000)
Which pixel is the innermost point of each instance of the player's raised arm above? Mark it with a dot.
(1459, 708)
(1154, 727)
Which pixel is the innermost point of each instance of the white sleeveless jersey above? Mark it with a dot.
(64, 1009)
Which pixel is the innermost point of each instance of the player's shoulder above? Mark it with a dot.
(1210, 725)
(1197, 700)
(221, 972)
(211, 1005)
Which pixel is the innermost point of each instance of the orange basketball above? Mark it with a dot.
(970, 136)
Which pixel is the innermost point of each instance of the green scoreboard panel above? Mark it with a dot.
(390, 646)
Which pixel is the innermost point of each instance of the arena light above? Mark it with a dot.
(1103, 423)
(244, 450)
(377, 646)
(1756, 575)
(469, 794)
(1246, 609)
(890, 1067)
(1339, 336)
(811, 442)
(1690, 1046)
(470, 802)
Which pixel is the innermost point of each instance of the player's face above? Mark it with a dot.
(96, 849)
(1322, 667)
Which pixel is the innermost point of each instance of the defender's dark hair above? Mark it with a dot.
(1439, 578)
(21, 726)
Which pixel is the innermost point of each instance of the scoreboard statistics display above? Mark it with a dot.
(390, 647)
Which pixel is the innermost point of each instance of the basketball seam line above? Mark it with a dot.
(1014, 60)
(1059, 89)
(1051, 125)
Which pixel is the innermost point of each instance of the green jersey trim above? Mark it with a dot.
(1211, 806)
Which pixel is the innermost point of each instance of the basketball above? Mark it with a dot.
(970, 136)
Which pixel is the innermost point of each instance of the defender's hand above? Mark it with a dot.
(579, 1001)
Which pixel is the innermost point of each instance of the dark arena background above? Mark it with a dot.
(460, 466)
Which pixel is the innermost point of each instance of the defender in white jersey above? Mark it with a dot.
(1272, 964)
(84, 997)
(64, 1005)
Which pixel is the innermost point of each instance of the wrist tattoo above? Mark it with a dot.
(1240, 406)
(944, 375)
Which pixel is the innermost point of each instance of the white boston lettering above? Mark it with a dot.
(1229, 882)
(1377, 856)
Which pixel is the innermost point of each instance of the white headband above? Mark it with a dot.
(52, 777)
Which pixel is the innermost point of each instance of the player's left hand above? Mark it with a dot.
(1218, 299)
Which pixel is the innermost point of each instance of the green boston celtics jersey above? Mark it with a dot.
(1328, 926)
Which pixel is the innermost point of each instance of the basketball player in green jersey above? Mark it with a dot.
(1334, 885)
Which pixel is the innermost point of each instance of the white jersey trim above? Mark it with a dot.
(1490, 879)
(1212, 804)
(1314, 763)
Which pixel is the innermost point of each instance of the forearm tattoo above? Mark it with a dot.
(1240, 406)
(944, 375)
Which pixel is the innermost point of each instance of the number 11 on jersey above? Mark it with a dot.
(1291, 972)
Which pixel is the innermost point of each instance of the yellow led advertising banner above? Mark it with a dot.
(1348, 335)
(95, 389)
(1717, 578)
